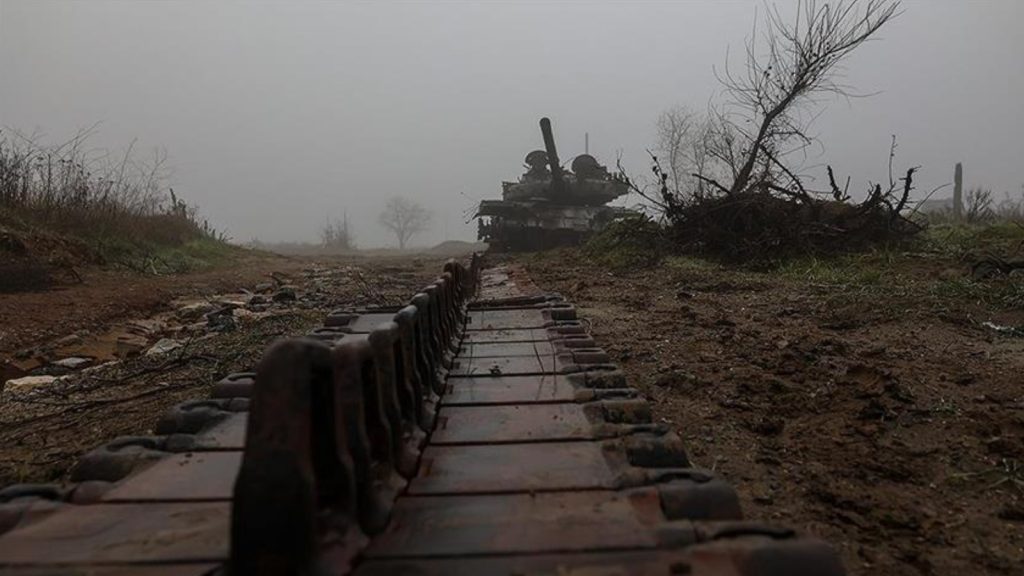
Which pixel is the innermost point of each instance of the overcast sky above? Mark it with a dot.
(276, 115)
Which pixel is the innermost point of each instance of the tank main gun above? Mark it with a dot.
(557, 178)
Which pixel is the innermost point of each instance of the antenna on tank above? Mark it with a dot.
(586, 142)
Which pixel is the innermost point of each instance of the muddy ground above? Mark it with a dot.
(870, 407)
(44, 429)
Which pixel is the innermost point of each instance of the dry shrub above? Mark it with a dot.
(761, 225)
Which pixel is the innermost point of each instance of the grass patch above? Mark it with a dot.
(845, 270)
(691, 264)
(1004, 293)
(962, 240)
(189, 256)
(629, 243)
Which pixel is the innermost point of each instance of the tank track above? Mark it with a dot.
(477, 430)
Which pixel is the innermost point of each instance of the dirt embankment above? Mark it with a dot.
(881, 414)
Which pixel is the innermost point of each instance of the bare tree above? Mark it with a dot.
(786, 68)
(745, 197)
(405, 218)
(677, 132)
(336, 235)
(693, 149)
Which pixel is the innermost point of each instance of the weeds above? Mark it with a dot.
(1008, 473)
(68, 205)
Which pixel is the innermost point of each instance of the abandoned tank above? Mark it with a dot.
(550, 206)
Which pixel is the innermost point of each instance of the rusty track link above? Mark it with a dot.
(478, 430)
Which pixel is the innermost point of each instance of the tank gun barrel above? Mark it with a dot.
(557, 179)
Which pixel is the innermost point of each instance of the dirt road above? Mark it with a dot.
(30, 319)
(44, 429)
(878, 413)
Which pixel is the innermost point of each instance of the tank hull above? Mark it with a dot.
(509, 226)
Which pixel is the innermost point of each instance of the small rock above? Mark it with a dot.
(28, 383)
(256, 300)
(190, 330)
(763, 495)
(164, 346)
(9, 371)
(247, 316)
(231, 303)
(965, 379)
(874, 409)
(285, 294)
(264, 288)
(74, 362)
(873, 352)
(50, 369)
(194, 311)
(98, 367)
(678, 380)
(128, 346)
(221, 321)
(69, 340)
(767, 426)
(147, 327)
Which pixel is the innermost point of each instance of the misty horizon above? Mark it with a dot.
(278, 116)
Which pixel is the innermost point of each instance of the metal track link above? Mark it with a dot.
(478, 430)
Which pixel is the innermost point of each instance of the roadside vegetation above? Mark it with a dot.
(945, 266)
(66, 206)
(731, 184)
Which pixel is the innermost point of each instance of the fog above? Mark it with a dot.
(278, 115)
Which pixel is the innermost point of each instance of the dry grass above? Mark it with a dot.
(68, 204)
